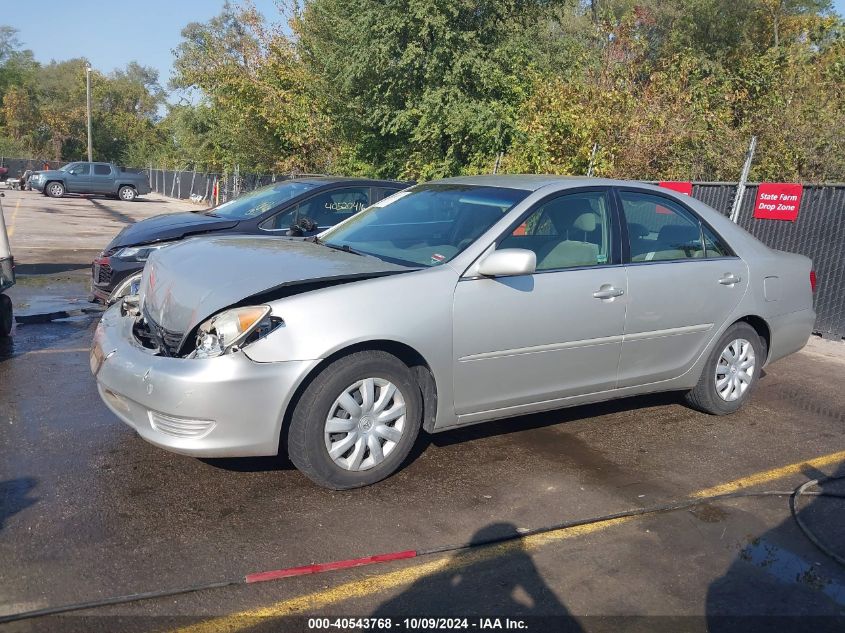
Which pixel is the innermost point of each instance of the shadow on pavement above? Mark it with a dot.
(481, 582)
(14, 497)
(780, 581)
(474, 432)
(116, 215)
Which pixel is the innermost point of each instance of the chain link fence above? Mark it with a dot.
(818, 233)
(210, 187)
(17, 166)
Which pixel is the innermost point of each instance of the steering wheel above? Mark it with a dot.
(302, 226)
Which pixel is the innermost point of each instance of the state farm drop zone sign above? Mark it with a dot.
(778, 201)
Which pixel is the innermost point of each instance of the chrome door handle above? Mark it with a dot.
(730, 279)
(608, 292)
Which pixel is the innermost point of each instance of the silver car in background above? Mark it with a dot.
(451, 303)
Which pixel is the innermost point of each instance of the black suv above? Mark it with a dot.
(299, 207)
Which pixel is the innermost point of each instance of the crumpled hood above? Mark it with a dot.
(169, 226)
(185, 284)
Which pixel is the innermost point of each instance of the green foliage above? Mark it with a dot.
(663, 89)
(421, 88)
(255, 96)
(43, 108)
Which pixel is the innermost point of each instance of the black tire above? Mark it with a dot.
(6, 317)
(306, 443)
(127, 193)
(704, 396)
(54, 189)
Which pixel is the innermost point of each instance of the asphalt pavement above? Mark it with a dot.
(89, 511)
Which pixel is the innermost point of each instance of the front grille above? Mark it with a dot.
(180, 427)
(153, 336)
(103, 274)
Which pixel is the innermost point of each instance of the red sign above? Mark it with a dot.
(677, 185)
(778, 201)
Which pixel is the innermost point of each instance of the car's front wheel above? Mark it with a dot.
(55, 189)
(731, 373)
(356, 421)
(127, 193)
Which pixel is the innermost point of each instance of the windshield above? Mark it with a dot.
(427, 225)
(68, 166)
(254, 203)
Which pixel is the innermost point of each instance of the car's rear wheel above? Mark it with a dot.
(6, 317)
(55, 189)
(731, 373)
(127, 193)
(356, 421)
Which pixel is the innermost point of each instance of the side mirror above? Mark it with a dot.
(508, 262)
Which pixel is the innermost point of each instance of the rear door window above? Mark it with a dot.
(101, 170)
(660, 229)
(713, 244)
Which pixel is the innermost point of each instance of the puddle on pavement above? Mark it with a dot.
(72, 332)
(789, 568)
(41, 294)
(709, 513)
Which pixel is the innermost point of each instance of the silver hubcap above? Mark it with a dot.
(735, 370)
(56, 190)
(127, 194)
(365, 424)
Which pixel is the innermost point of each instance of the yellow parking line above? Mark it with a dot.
(385, 581)
(771, 475)
(381, 582)
(10, 230)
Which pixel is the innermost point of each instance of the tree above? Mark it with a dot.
(420, 88)
(251, 82)
(782, 13)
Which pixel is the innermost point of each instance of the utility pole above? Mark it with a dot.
(592, 162)
(743, 178)
(88, 98)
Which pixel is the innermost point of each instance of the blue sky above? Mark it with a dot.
(110, 34)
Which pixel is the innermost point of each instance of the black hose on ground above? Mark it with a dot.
(793, 495)
(793, 508)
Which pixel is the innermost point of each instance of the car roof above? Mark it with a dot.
(333, 180)
(533, 182)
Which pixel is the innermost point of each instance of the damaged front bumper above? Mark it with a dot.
(229, 406)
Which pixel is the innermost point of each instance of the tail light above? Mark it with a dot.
(813, 281)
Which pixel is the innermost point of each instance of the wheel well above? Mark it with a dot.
(126, 184)
(762, 329)
(407, 354)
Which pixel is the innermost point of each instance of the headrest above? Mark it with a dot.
(637, 230)
(565, 211)
(585, 222)
(674, 234)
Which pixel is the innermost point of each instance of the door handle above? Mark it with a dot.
(730, 279)
(608, 292)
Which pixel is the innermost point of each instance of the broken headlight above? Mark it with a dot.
(140, 253)
(232, 329)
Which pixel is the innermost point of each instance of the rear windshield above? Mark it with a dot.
(257, 202)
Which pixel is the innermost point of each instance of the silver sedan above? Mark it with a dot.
(451, 303)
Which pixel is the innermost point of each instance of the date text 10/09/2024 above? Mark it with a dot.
(414, 624)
